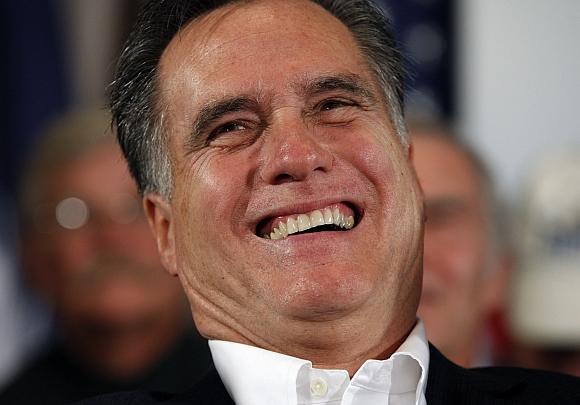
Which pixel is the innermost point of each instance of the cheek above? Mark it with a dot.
(70, 253)
(390, 177)
(454, 256)
(136, 241)
(213, 191)
(395, 207)
(357, 149)
(362, 151)
(208, 207)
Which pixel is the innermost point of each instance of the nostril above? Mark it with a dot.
(284, 178)
(294, 163)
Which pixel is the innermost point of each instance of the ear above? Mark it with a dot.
(160, 218)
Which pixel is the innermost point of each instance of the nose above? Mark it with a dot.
(292, 152)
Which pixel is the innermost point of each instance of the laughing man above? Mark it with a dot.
(268, 142)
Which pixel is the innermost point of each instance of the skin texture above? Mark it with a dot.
(116, 308)
(461, 271)
(291, 148)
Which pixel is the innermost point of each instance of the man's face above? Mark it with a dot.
(457, 245)
(99, 265)
(272, 113)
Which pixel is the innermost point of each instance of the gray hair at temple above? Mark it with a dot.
(135, 105)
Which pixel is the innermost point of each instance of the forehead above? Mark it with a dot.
(98, 171)
(443, 168)
(257, 43)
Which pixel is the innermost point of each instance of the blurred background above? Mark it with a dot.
(503, 74)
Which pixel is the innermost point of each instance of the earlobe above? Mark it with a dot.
(159, 215)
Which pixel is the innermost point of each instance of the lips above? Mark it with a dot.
(334, 217)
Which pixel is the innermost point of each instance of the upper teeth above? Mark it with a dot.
(313, 219)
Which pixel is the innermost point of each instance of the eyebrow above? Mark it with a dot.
(348, 82)
(213, 111)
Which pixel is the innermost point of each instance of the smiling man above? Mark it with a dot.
(267, 139)
(465, 266)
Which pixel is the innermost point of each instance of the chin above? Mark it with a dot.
(325, 297)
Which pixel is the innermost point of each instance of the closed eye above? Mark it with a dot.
(335, 111)
(227, 128)
(233, 135)
(332, 104)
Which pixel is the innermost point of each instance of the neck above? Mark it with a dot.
(349, 352)
(337, 344)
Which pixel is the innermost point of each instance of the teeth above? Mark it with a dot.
(303, 222)
(349, 222)
(315, 218)
(284, 229)
(328, 216)
(292, 226)
(276, 234)
(336, 216)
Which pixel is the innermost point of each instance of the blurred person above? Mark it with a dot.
(464, 268)
(120, 320)
(544, 307)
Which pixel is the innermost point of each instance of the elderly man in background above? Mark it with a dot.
(267, 138)
(464, 265)
(121, 321)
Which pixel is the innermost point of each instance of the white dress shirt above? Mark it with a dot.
(255, 376)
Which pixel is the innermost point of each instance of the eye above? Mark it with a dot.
(332, 104)
(335, 111)
(234, 134)
(227, 128)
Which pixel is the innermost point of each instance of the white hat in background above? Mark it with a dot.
(545, 299)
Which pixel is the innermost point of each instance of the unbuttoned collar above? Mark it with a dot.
(255, 376)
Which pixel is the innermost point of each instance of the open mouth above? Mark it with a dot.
(335, 217)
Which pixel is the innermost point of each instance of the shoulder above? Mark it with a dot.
(208, 391)
(535, 383)
(450, 384)
(47, 376)
(129, 398)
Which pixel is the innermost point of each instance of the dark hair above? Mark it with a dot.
(134, 102)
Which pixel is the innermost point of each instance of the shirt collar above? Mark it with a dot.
(255, 376)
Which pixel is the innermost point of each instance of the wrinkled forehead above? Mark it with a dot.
(256, 35)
